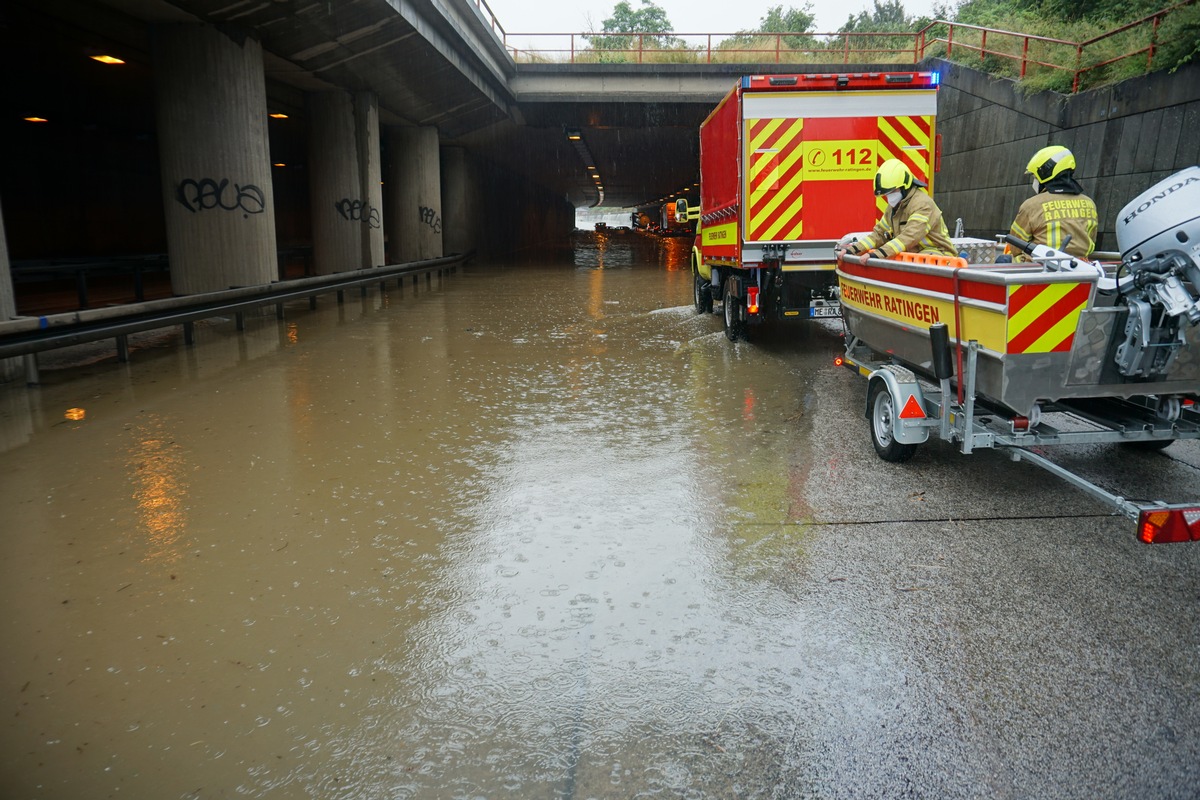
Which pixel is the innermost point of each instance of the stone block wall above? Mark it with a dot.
(1125, 138)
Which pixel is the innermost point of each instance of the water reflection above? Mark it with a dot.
(611, 249)
(156, 468)
(676, 252)
(483, 541)
(589, 629)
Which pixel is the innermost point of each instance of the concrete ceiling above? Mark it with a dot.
(431, 62)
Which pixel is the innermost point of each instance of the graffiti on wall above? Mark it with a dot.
(207, 193)
(358, 211)
(430, 217)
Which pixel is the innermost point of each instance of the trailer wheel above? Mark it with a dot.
(883, 416)
(734, 327)
(702, 294)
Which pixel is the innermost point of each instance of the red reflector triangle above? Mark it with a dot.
(912, 409)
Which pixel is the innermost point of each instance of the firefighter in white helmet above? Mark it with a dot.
(1058, 208)
(912, 222)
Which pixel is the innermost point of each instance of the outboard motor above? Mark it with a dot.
(1158, 234)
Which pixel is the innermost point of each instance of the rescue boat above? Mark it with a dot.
(1057, 328)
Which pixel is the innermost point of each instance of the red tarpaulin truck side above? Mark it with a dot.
(787, 164)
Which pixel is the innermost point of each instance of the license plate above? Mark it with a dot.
(825, 311)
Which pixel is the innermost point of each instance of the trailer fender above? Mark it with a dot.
(902, 385)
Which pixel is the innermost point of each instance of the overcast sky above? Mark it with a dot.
(686, 16)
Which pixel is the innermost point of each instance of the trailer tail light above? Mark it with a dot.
(1166, 525)
(839, 361)
(752, 300)
(912, 409)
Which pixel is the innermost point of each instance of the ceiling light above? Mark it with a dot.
(277, 115)
(36, 119)
(279, 164)
(107, 59)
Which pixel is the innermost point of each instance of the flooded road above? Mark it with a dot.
(542, 532)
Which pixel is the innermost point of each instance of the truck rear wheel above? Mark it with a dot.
(734, 327)
(701, 294)
(883, 418)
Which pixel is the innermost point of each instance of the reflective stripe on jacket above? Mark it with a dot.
(1049, 217)
(915, 225)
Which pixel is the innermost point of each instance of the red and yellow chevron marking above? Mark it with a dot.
(776, 159)
(1042, 318)
(909, 139)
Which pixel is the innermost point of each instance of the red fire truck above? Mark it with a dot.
(787, 164)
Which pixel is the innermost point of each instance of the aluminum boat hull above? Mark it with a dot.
(1043, 336)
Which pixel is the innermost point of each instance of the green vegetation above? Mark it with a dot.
(796, 24)
(1034, 41)
(1077, 21)
(620, 38)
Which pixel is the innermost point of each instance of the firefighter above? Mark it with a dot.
(912, 221)
(1058, 208)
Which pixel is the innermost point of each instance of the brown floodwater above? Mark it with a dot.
(510, 535)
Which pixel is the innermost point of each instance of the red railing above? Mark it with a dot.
(645, 47)
(1021, 49)
(1077, 68)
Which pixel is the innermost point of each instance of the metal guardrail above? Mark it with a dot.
(1076, 51)
(27, 336)
(80, 270)
(799, 47)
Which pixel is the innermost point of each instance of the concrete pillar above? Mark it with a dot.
(343, 168)
(215, 158)
(366, 119)
(10, 368)
(414, 195)
(460, 202)
(334, 183)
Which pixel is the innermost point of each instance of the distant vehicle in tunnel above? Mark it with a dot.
(672, 224)
(787, 164)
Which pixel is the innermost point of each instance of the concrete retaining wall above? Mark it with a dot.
(1125, 138)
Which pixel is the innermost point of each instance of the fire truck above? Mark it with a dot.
(787, 168)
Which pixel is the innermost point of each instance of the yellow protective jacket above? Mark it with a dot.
(1049, 217)
(915, 225)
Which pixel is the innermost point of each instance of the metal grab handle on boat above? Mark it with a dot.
(1019, 243)
(845, 255)
(1027, 247)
